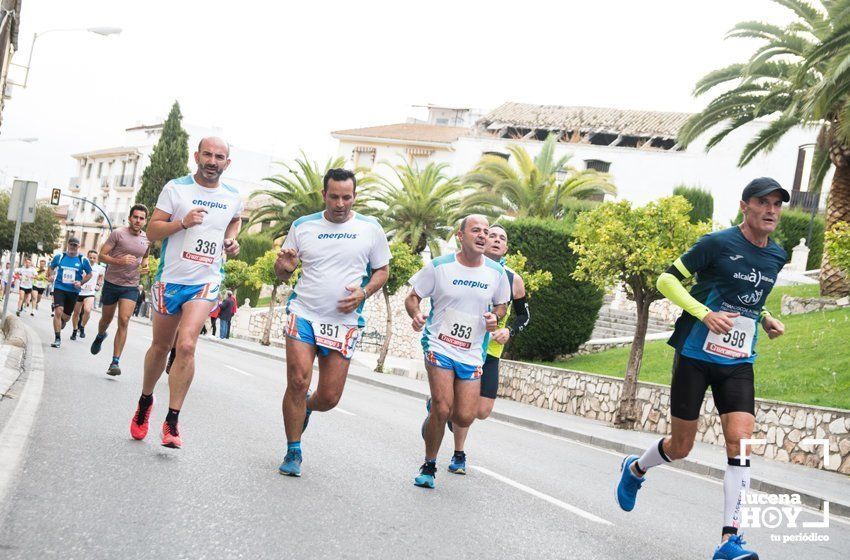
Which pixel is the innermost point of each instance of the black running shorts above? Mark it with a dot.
(64, 299)
(732, 387)
(490, 378)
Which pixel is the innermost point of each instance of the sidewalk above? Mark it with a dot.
(408, 377)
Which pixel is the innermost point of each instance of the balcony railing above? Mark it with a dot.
(804, 200)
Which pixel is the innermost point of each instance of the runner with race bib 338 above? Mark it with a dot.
(197, 217)
(715, 342)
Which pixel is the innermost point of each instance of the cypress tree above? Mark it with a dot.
(168, 160)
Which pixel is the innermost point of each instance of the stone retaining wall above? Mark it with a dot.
(783, 425)
(797, 305)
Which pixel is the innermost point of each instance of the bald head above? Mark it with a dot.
(212, 157)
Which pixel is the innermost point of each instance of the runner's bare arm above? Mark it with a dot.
(411, 305)
(359, 294)
(231, 245)
(160, 227)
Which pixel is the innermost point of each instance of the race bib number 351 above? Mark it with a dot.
(201, 245)
(334, 336)
(737, 343)
(459, 329)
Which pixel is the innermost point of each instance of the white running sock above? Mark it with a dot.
(652, 457)
(736, 480)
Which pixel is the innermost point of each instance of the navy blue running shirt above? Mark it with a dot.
(732, 275)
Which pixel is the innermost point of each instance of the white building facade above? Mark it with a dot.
(638, 148)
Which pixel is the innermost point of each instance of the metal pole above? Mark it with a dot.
(15, 249)
(86, 201)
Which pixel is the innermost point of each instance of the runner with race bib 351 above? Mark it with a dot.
(715, 342)
(197, 217)
(344, 259)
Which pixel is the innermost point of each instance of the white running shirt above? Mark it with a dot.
(460, 296)
(194, 256)
(27, 275)
(90, 287)
(332, 257)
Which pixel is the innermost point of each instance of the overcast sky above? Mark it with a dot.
(280, 76)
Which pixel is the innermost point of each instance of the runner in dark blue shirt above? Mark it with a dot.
(715, 341)
(70, 271)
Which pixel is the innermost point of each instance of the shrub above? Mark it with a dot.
(793, 226)
(564, 312)
(702, 203)
(252, 246)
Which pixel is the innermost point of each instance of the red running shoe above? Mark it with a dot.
(140, 421)
(171, 436)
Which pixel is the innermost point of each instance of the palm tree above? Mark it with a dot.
(532, 188)
(419, 206)
(800, 75)
(299, 193)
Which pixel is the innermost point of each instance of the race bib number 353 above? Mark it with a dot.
(459, 329)
(737, 343)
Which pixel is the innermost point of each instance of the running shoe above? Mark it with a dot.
(171, 436)
(458, 464)
(18, 312)
(629, 484)
(82, 332)
(97, 342)
(308, 412)
(74, 335)
(732, 550)
(141, 421)
(56, 343)
(427, 474)
(291, 465)
(425, 422)
(113, 370)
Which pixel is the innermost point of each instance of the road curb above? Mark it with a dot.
(13, 330)
(14, 438)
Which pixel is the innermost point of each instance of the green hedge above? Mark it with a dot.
(793, 226)
(702, 203)
(563, 313)
(252, 246)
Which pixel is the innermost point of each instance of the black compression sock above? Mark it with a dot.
(171, 417)
(146, 400)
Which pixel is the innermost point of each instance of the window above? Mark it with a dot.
(442, 122)
(96, 240)
(85, 238)
(99, 169)
(88, 171)
(598, 165)
(123, 180)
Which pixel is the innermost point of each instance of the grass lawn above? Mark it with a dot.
(810, 364)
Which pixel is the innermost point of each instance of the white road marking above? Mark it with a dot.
(338, 409)
(237, 370)
(537, 494)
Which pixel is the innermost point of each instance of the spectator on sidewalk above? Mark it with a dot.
(214, 318)
(225, 314)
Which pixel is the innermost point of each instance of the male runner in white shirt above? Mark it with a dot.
(197, 219)
(85, 300)
(344, 259)
(27, 274)
(469, 294)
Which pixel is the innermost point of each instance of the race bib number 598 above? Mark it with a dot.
(737, 343)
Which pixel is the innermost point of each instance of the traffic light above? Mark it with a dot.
(54, 197)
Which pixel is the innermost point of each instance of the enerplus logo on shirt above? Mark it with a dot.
(337, 236)
(210, 204)
(470, 283)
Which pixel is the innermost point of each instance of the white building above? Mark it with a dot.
(638, 148)
(111, 177)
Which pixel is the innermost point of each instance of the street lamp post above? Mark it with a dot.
(103, 31)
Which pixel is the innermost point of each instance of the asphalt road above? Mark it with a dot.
(88, 490)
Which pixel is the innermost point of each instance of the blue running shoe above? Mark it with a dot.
(307, 416)
(425, 422)
(427, 474)
(97, 342)
(458, 464)
(732, 550)
(291, 465)
(629, 484)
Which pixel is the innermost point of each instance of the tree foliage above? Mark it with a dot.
(532, 187)
(419, 206)
(168, 159)
(252, 246)
(298, 192)
(235, 273)
(262, 271)
(563, 312)
(838, 246)
(534, 280)
(45, 230)
(403, 264)
(702, 203)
